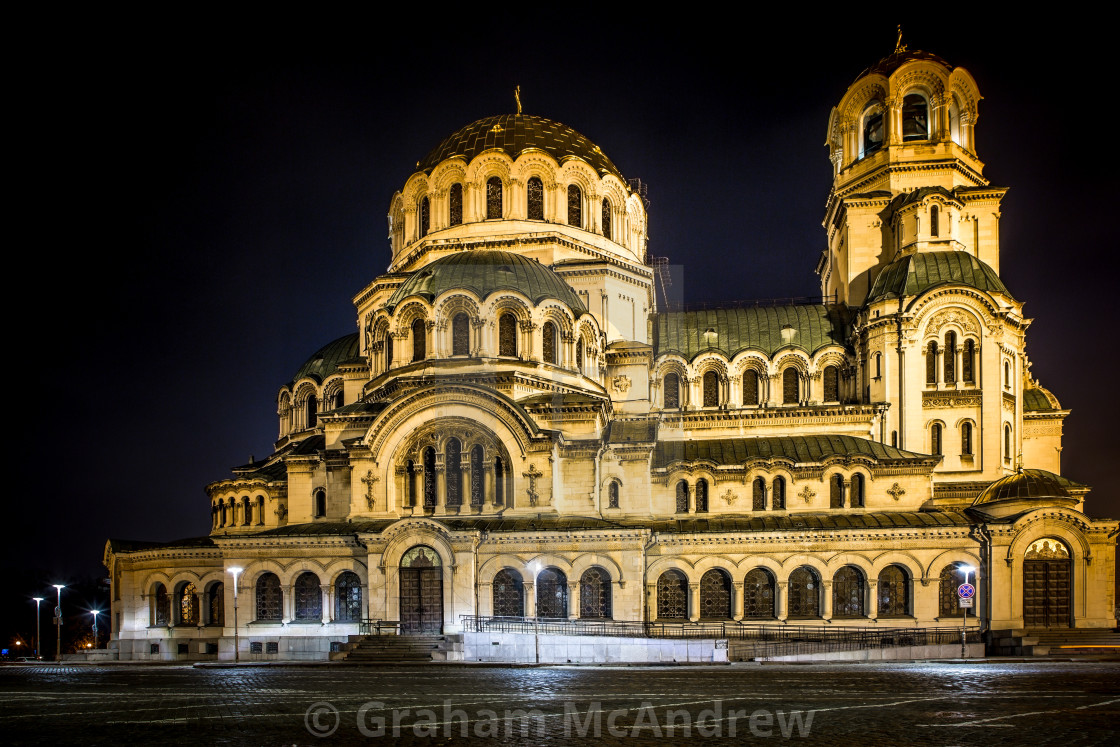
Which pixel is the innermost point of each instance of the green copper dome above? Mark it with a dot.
(1027, 483)
(485, 272)
(326, 360)
(516, 133)
(917, 273)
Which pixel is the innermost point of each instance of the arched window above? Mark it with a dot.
(682, 497)
(534, 191)
(872, 129)
(319, 509)
(246, 511)
(161, 606)
(455, 205)
(221, 513)
(453, 468)
(672, 596)
(701, 496)
(966, 439)
(552, 593)
(595, 594)
(750, 387)
(935, 439)
(579, 355)
(388, 350)
(1007, 375)
(607, 219)
(711, 389)
(915, 117)
(339, 399)
(309, 598)
(758, 494)
(758, 595)
(429, 477)
(269, 606)
(778, 501)
(419, 340)
(188, 605)
(461, 334)
(894, 592)
(1006, 443)
(493, 198)
(216, 604)
(612, 494)
(931, 362)
(855, 500)
(425, 217)
(836, 491)
(672, 394)
(548, 342)
(950, 578)
(509, 594)
(499, 482)
(410, 476)
(476, 475)
(790, 390)
(715, 595)
(878, 365)
(312, 406)
(348, 598)
(831, 384)
(968, 362)
(950, 357)
(934, 228)
(575, 206)
(507, 335)
(848, 591)
(804, 593)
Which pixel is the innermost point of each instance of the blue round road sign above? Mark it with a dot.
(966, 591)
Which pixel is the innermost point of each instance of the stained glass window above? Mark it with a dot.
(612, 494)
(425, 217)
(848, 593)
(804, 593)
(575, 206)
(216, 601)
(188, 605)
(348, 598)
(750, 387)
(931, 362)
(607, 219)
(309, 597)
(476, 475)
(672, 596)
(894, 592)
(429, 477)
(672, 394)
(535, 193)
(715, 595)
(951, 358)
(831, 384)
(711, 389)
(507, 334)
(509, 594)
(701, 496)
(493, 197)
(162, 612)
(789, 386)
(758, 595)
(454, 471)
(758, 495)
(269, 597)
(419, 340)
(552, 593)
(855, 500)
(461, 334)
(682, 497)
(548, 342)
(779, 498)
(595, 594)
(455, 202)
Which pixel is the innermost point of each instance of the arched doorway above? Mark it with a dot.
(1047, 576)
(421, 580)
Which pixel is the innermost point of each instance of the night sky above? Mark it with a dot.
(199, 213)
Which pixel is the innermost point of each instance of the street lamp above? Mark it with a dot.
(967, 570)
(236, 643)
(58, 623)
(95, 613)
(38, 629)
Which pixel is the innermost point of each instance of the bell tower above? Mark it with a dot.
(906, 176)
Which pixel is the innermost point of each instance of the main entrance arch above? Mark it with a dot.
(421, 592)
(1047, 576)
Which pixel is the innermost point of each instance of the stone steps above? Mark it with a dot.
(379, 649)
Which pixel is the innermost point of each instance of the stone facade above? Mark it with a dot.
(516, 428)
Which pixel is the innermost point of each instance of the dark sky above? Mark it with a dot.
(199, 212)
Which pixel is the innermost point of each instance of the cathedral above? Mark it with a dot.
(521, 427)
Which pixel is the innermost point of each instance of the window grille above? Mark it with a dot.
(425, 217)
(461, 335)
(715, 595)
(575, 206)
(507, 335)
(493, 198)
(548, 342)
(455, 202)
(672, 395)
(309, 597)
(612, 495)
(607, 232)
(848, 590)
(779, 498)
(535, 193)
(831, 384)
(711, 389)
(552, 594)
(701, 496)
(595, 594)
(454, 470)
(790, 388)
(419, 340)
(894, 592)
(758, 595)
(672, 596)
(750, 387)
(804, 593)
(348, 597)
(269, 606)
(509, 594)
(856, 498)
(188, 605)
(758, 495)
(682, 497)
(476, 475)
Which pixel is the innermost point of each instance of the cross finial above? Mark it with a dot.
(517, 98)
(898, 45)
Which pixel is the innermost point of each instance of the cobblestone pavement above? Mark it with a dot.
(918, 703)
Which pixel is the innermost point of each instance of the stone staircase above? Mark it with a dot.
(401, 649)
(1055, 642)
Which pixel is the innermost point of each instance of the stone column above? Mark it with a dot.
(693, 602)
(872, 600)
(737, 600)
(328, 608)
(289, 603)
(573, 600)
(651, 601)
(530, 600)
(783, 600)
(441, 484)
(826, 601)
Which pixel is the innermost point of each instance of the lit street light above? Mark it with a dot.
(58, 623)
(38, 628)
(236, 643)
(95, 613)
(966, 570)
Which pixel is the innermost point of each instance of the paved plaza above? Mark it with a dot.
(915, 703)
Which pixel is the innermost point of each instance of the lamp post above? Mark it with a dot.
(38, 628)
(967, 571)
(58, 623)
(95, 613)
(236, 641)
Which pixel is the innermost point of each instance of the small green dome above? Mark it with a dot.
(1039, 399)
(485, 272)
(1027, 483)
(516, 133)
(917, 273)
(326, 360)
